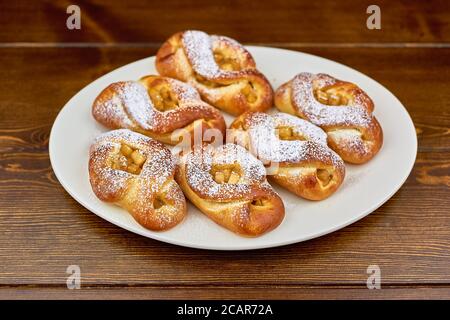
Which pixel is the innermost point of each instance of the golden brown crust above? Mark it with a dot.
(294, 151)
(221, 69)
(159, 107)
(340, 108)
(137, 173)
(229, 186)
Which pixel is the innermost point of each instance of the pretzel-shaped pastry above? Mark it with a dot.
(340, 108)
(305, 164)
(137, 173)
(229, 185)
(220, 68)
(157, 107)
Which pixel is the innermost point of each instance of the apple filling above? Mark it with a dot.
(129, 160)
(163, 98)
(332, 96)
(226, 173)
(288, 133)
(226, 63)
(249, 92)
(260, 205)
(324, 176)
(206, 82)
(158, 202)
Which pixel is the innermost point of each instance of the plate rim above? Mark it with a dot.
(157, 236)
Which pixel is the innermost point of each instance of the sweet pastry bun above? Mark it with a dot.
(340, 108)
(220, 68)
(136, 173)
(229, 186)
(295, 150)
(162, 108)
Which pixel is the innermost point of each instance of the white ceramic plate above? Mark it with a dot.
(366, 187)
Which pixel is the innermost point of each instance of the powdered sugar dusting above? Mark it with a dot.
(265, 143)
(301, 127)
(137, 102)
(155, 178)
(323, 115)
(198, 49)
(107, 183)
(160, 164)
(199, 163)
(130, 106)
(183, 91)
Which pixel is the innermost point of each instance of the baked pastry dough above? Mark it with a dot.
(220, 68)
(295, 150)
(340, 108)
(229, 185)
(162, 108)
(137, 173)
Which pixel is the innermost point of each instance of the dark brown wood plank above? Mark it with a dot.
(249, 21)
(220, 293)
(44, 230)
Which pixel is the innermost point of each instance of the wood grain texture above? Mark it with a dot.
(223, 293)
(43, 230)
(250, 21)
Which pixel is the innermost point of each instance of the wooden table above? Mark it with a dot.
(43, 230)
